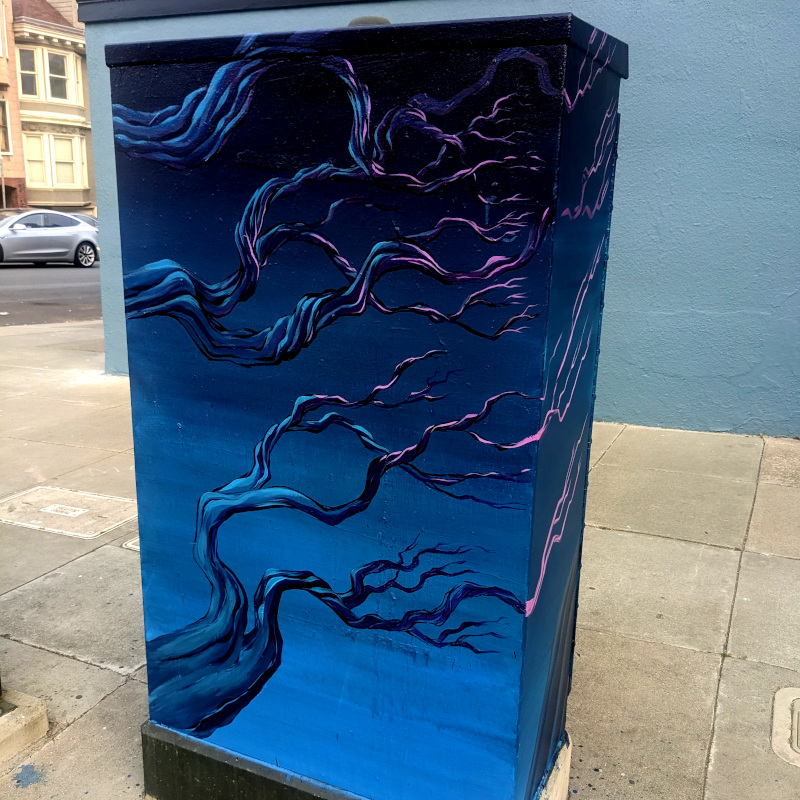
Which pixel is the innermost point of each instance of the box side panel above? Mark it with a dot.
(585, 182)
(333, 273)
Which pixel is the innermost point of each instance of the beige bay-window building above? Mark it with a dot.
(54, 105)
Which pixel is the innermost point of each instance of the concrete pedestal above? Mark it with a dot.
(23, 720)
(178, 767)
(557, 786)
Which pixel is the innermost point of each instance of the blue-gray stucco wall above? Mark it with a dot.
(702, 318)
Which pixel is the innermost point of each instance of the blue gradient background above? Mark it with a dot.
(378, 713)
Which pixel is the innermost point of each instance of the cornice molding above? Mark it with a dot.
(24, 27)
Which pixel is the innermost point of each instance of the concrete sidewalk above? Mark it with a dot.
(688, 622)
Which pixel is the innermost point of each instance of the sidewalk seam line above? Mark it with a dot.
(631, 637)
(60, 566)
(80, 660)
(605, 452)
(730, 627)
(634, 638)
(681, 472)
(64, 444)
(665, 536)
(596, 527)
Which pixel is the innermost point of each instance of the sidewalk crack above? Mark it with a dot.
(725, 652)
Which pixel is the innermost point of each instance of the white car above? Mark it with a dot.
(41, 235)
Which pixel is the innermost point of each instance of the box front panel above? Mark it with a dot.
(334, 269)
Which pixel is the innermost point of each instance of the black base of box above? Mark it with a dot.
(179, 767)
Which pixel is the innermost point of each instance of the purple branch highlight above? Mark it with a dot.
(601, 170)
(591, 66)
(570, 354)
(560, 515)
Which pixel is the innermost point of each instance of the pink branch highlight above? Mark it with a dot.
(573, 356)
(602, 166)
(560, 515)
(586, 81)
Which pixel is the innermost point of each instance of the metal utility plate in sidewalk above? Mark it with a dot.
(786, 725)
(80, 514)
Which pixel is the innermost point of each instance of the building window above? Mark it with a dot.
(50, 75)
(54, 161)
(27, 73)
(35, 168)
(59, 79)
(64, 160)
(5, 139)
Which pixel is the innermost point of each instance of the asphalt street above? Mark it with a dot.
(31, 295)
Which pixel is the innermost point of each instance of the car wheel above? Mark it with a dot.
(85, 255)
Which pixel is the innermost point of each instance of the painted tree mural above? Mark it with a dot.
(430, 217)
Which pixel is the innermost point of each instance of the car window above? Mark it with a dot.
(88, 218)
(33, 221)
(60, 221)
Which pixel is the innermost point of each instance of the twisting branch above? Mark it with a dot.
(182, 136)
(204, 674)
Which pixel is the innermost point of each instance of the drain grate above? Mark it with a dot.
(67, 512)
(786, 725)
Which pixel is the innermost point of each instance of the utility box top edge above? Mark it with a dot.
(518, 31)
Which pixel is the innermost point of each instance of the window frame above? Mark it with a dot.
(80, 168)
(47, 179)
(66, 77)
(6, 51)
(77, 66)
(75, 161)
(41, 227)
(84, 162)
(41, 61)
(36, 72)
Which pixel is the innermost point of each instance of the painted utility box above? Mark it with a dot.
(364, 273)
